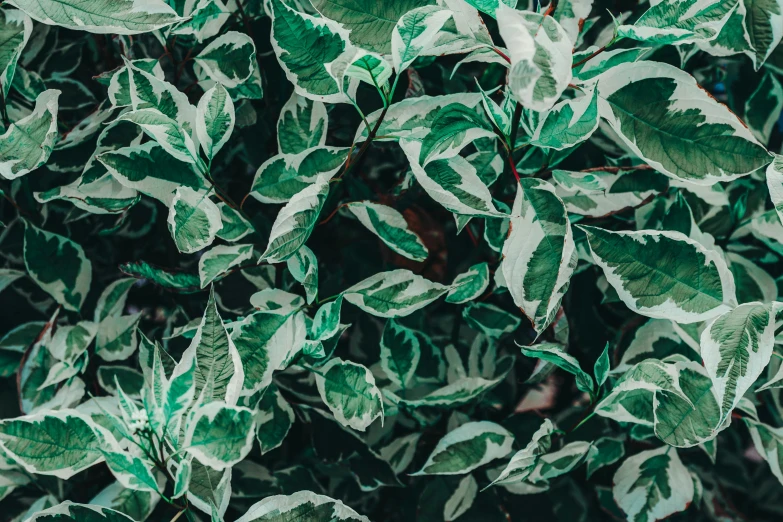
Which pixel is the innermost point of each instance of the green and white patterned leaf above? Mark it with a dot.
(631, 398)
(15, 30)
(698, 287)
(457, 393)
(219, 260)
(490, 319)
(655, 339)
(775, 184)
(71, 512)
(572, 15)
(215, 120)
(391, 227)
(60, 443)
(672, 21)
(302, 125)
(568, 123)
(148, 91)
(116, 339)
(400, 353)
(219, 435)
(349, 390)
(453, 128)
(295, 222)
(452, 182)
(167, 133)
(58, 266)
(298, 506)
(415, 31)
(412, 118)
(469, 285)
(266, 341)
(604, 452)
(554, 354)
(274, 417)
(540, 52)
(369, 24)
(101, 16)
(539, 254)
(235, 226)
(468, 447)
(524, 461)
(396, 293)
(283, 176)
(152, 171)
(736, 347)
(652, 485)
(136, 504)
(130, 471)
(669, 121)
(229, 59)
(306, 46)
(194, 220)
(596, 194)
(27, 144)
(768, 441)
(219, 371)
(370, 68)
(303, 266)
(763, 107)
(462, 499)
(683, 425)
(206, 20)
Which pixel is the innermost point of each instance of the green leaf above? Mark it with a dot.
(295, 222)
(182, 281)
(101, 16)
(414, 32)
(400, 353)
(152, 171)
(489, 319)
(215, 120)
(167, 133)
(469, 285)
(71, 512)
(220, 435)
(58, 265)
(601, 367)
(523, 462)
(553, 353)
(540, 52)
(369, 24)
(452, 182)
(652, 485)
(266, 341)
(391, 227)
(604, 452)
(539, 254)
(768, 442)
(736, 347)
(762, 108)
(130, 471)
(700, 141)
(698, 287)
(27, 144)
(468, 447)
(349, 390)
(568, 123)
(218, 261)
(52, 443)
(274, 418)
(15, 30)
(194, 220)
(298, 506)
(396, 293)
(219, 372)
(304, 268)
(302, 125)
(681, 424)
(281, 177)
(229, 59)
(304, 45)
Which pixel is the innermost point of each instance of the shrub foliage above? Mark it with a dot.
(404, 260)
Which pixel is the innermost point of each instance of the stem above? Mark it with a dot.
(593, 55)
(501, 54)
(352, 164)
